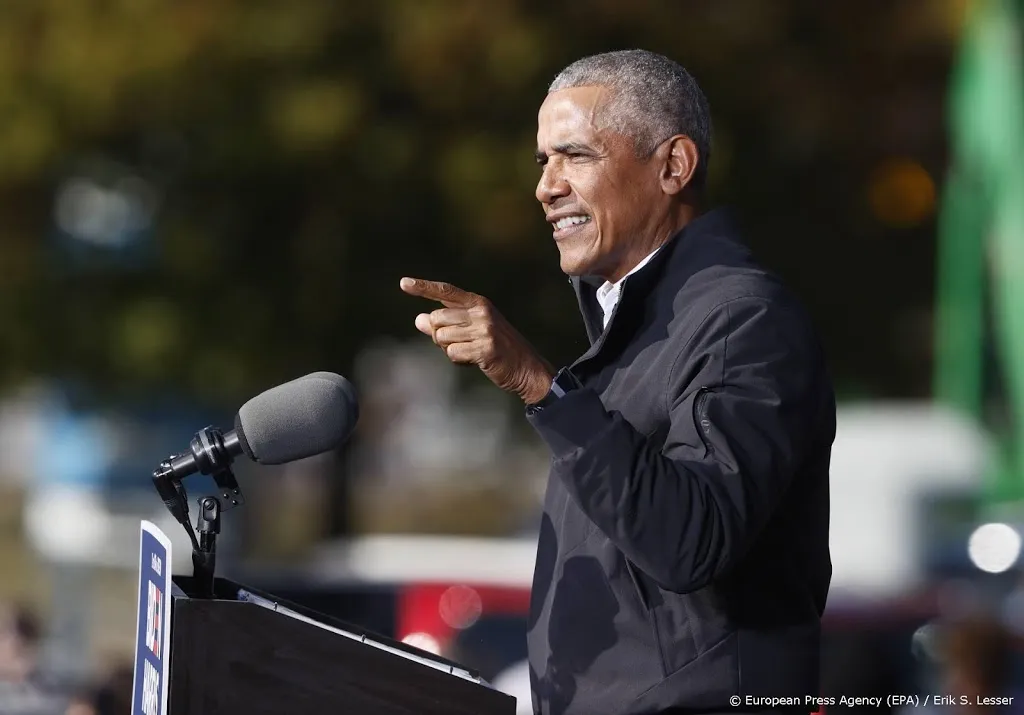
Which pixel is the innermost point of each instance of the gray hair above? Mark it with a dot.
(653, 98)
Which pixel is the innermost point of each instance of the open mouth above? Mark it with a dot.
(569, 224)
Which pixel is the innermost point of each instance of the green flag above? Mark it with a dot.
(981, 230)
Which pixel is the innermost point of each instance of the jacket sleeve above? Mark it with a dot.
(743, 397)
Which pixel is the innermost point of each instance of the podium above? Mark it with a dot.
(209, 646)
(244, 652)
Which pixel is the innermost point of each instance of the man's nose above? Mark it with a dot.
(552, 185)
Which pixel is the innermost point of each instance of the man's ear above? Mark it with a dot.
(679, 156)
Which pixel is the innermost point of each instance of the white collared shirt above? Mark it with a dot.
(608, 294)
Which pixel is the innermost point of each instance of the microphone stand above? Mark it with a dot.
(208, 443)
(204, 559)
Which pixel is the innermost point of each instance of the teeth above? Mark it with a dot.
(570, 221)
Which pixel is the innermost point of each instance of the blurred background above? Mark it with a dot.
(202, 199)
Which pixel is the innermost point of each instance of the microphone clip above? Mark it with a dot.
(210, 453)
(211, 450)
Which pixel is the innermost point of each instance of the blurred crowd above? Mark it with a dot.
(27, 688)
(978, 659)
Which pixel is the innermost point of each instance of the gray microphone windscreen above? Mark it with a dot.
(299, 419)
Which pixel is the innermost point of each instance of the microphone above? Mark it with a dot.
(302, 418)
(299, 419)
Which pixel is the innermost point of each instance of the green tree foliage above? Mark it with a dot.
(306, 155)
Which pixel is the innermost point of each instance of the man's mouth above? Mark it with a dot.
(568, 221)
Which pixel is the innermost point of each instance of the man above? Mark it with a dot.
(683, 562)
(24, 688)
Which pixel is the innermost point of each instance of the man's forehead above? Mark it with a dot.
(573, 104)
(573, 110)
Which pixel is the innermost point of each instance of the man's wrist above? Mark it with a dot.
(539, 387)
(562, 383)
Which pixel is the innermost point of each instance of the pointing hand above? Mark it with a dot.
(471, 331)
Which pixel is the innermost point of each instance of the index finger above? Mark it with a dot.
(447, 294)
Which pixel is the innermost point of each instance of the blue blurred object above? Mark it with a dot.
(75, 452)
(115, 447)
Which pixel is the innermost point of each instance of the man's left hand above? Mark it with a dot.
(472, 332)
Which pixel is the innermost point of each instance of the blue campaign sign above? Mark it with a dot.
(153, 623)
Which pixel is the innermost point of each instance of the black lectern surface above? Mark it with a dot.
(261, 656)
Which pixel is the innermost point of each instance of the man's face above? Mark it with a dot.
(599, 197)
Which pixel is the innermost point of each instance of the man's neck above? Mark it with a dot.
(667, 228)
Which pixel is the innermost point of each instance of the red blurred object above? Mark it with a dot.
(422, 607)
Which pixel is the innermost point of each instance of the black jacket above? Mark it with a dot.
(683, 555)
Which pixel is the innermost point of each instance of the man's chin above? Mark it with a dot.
(574, 270)
(574, 265)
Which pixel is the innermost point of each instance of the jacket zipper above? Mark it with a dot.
(595, 348)
(640, 591)
(700, 418)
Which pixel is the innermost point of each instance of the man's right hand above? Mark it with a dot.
(471, 331)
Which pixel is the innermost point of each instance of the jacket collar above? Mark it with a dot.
(678, 259)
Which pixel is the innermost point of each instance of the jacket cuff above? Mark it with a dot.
(572, 422)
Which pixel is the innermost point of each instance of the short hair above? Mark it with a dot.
(653, 98)
(979, 647)
(21, 622)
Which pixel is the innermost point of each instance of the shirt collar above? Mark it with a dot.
(608, 294)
